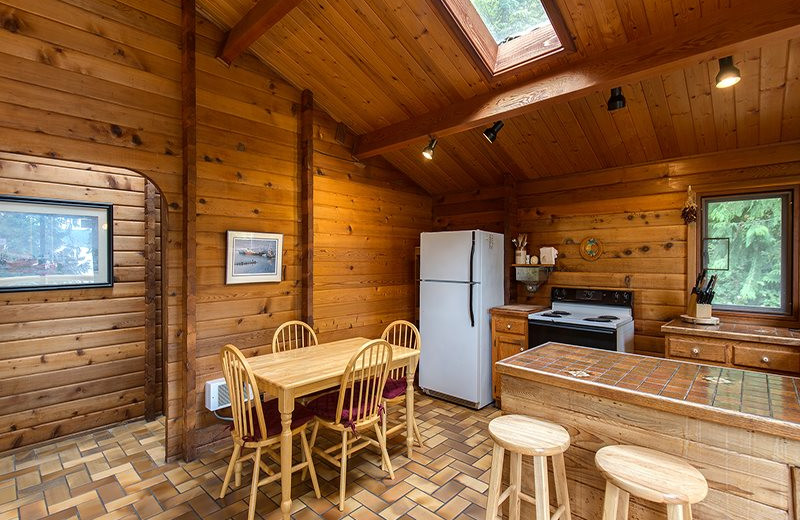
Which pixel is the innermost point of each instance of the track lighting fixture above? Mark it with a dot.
(427, 152)
(617, 100)
(491, 133)
(728, 74)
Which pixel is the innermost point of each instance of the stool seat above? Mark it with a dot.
(651, 475)
(529, 436)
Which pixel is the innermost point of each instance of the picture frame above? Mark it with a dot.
(51, 244)
(254, 257)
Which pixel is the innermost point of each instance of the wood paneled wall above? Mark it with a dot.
(73, 360)
(635, 212)
(368, 218)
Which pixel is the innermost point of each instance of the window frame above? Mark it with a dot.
(789, 316)
(497, 59)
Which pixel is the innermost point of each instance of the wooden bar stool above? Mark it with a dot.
(650, 475)
(523, 435)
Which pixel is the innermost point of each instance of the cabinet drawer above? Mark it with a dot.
(696, 350)
(510, 326)
(766, 358)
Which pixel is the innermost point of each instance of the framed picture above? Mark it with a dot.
(254, 257)
(55, 244)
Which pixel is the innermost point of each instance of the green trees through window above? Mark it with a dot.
(748, 235)
(507, 19)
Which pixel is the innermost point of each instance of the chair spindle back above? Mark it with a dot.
(244, 395)
(403, 334)
(362, 383)
(293, 334)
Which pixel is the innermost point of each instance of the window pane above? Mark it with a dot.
(507, 19)
(750, 231)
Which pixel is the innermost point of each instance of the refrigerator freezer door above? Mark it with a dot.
(449, 358)
(446, 256)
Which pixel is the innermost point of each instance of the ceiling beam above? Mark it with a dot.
(255, 23)
(747, 26)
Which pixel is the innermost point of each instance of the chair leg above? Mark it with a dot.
(343, 467)
(237, 475)
(384, 453)
(416, 432)
(384, 421)
(251, 514)
(611, 502)
(494, 482)
(310, 460)
(675, 512)
(312, 442)
(562, 491)
(231, 465)
(541, 488)
(515, 480)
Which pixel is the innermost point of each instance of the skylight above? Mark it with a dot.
(510, 19)
(503, 35)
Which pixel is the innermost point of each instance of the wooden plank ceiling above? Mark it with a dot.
(371, 63)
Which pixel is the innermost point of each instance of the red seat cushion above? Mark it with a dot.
(324, 407)
(394, 388)
(272, 418)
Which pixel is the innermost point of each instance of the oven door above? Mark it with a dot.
(584, 335)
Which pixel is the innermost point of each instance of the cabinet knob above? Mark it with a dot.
(508, 326)
(695, 351)
(765, 360)
(521, 349)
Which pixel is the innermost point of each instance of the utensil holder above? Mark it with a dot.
(520, 257)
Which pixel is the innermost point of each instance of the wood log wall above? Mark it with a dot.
(73, 360)
(99, 82)
(634, 211)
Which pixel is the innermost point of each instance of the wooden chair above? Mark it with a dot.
(257, 426)
(293, 334)
(650, 475)
(403, 334)
(539, 439)
(357, 407)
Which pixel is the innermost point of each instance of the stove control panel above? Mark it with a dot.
(594, 296)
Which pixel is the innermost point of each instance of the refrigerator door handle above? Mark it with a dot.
(471, 283)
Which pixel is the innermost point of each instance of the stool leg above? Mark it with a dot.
(494, 482)
(562, 491)
(540, 485)
(515, 479)
(687, 512)
(611, 502)
(622, 504)
(675, 512)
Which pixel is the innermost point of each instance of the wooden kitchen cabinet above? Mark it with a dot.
(509, 336)
(765, 349)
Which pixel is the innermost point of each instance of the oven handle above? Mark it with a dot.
(571, 327)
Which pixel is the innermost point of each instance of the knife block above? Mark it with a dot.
(698, 310)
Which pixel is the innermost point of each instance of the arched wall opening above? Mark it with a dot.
(75, 359)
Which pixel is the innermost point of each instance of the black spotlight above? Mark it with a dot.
(491, 133)
(617, 100)
(728, 74)
(427, 152)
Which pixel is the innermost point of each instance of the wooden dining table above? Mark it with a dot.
(295, 373)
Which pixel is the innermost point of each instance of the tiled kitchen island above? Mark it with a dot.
(741, 429)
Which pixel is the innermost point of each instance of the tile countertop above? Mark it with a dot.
(737, 331)
(752, 400)
(517, 310)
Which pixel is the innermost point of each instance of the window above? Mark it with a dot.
(506, 34)
(747, 241)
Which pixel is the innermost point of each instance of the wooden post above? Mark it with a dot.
(509, 231)
(307, 206)
(189, 148)
(150, 295)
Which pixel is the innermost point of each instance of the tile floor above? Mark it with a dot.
(119, 473)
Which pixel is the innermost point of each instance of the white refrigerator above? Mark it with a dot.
(461, 278)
